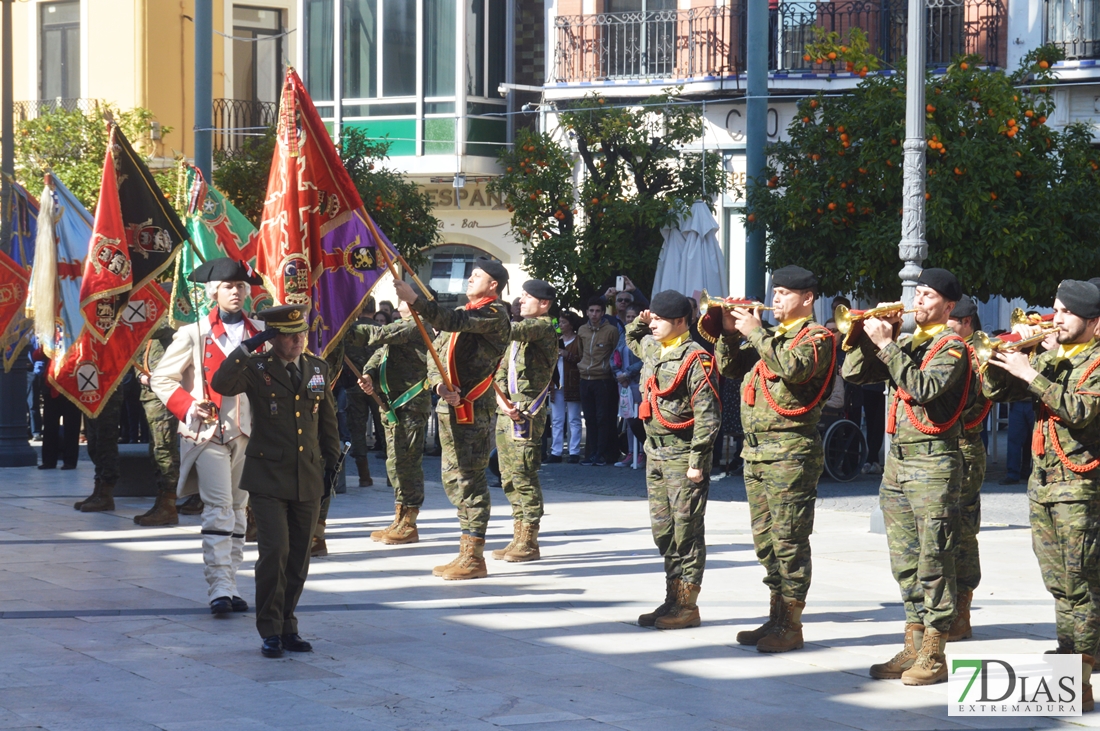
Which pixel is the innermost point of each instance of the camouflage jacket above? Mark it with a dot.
(694, 398)
(804, 374)
(935, 390)
(149, 355)
(358, 351)
(400, 347)
(532, 356)
(1058, 391)
(483, 334)
(976, 401)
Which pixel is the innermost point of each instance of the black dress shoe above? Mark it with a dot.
(239, 605)
(295, 643)
(47, 467)
(272, 647)
(552, 459)
(221, 606)
(68, 466)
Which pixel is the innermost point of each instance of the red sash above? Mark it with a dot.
(464, 411)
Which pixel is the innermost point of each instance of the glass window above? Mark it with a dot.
(318, 48)
(360, 64)
(448, 270)
(439, 47)
(498, 36)
(257, 65)
(59, 50)
(399, 48)
(475, 47)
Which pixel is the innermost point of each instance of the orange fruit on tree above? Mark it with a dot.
(929, 108)
(1019, 174)
(964, 66)
(806, 58)
(1044, 64)
(832, 206)
(1011, 123)
(832, 55)
(1029, 113)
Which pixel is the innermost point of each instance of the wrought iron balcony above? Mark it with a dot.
(235, 120)
(701, 42)
(1074, 26)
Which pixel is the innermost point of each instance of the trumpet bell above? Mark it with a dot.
(843, 318)
(983, 347)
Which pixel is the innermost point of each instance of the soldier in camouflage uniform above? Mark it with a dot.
(968, 570)
(787, 371)
(929, 379)
(1064, 385)
(399, 371)
(164, 444)
(682, 414)
(358, 406)
(525, 376)
(470, 345)
(101, 434)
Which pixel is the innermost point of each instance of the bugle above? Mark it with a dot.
(848, 322)
(1019, 317)
(985, 346)
(712, 308)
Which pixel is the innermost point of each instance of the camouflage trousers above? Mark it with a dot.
(164, 443)
(405, 456)
(358, 416)
(677, 507)
(782, 495)
(1064, 537)
(919, 496)
(968, 568)
(519, 468)
(466, 450)
(102, 436)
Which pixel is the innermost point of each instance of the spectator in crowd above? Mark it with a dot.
(627, 369)
(566, 406)
(598, 339)
(627, 296)
(387, 307)
(381, 318)
(870, 401)
(38, 385)
(834, 405)
(1021, 420)
(61, 420)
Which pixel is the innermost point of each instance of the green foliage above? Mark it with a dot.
(1012, 207)
(856, 55)
(636, 180)
(402, 211)
(74, 144)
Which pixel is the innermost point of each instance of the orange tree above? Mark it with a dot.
(1012, 206)
(635, 179)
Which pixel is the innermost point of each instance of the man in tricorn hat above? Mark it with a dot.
(1064, 385)
(523, 388)
(929, 376)
(290, 465)
(214, 429)
(682, 413)
(788, 373)
(470, 345)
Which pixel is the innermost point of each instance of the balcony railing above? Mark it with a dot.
(683, 44)
(236, 120)
(34, 109)
(1074, 26)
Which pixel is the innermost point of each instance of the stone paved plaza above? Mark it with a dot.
(106, 626)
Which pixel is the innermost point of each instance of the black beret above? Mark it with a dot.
(1095, 281)
(494, 269)
(539, 289)
(943, 282)
(1080, 298)
(793, 277)
(286, 319)
(964, 308)
(225, 269)
(670, 305)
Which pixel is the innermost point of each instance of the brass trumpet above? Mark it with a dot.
(1019, 317)
(706, 302)
(985, 346)
(845, 317)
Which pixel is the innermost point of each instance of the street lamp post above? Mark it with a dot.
(15, 450)
(913, 248)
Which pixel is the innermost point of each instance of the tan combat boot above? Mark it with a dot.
(899, 663)
(398, 511)
(930, 667)
(960, 628)
(95, 494)
(102, 502)
(362, 466)
(685, 613)
(787, 633)
(1065, 647)
(319, 547)
(500, 553)
(163, 511)
(1087, 663)
(752, 636)
(405, 531)
(527, 549)
(251, 530)
(471, 561)
(649, 619)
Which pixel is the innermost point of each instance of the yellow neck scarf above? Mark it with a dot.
(1070, 351)
(677, 340)
(791, 325)
(924, 334)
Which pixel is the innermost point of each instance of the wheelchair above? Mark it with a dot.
(844, 445)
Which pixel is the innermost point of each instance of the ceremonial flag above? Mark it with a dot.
(135, 237)
(92, 369)
(15, 326)
(217, 229)
(316, 240)
(64, 229)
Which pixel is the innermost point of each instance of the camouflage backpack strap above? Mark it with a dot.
(902, 396)
(765, 374)
(1046, 421)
